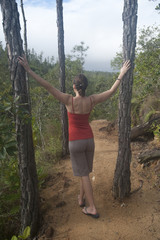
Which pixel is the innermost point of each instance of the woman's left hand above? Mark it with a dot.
(23, 61)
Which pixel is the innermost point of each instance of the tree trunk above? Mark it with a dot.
(25, 29)
(27, 166)
(121, 184)
(64, 118)
(25, 48)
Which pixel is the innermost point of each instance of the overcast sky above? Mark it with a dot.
(98, 23)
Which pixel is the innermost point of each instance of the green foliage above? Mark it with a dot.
(156, 132)
(149, 107)
(149, 115)
(7, 137)
(38, 63)
(25, 235)
(9, 197)
(8, 146)
(158, 5)
(52, 149)
(116, 63)
(135, 110)
(9, 178)
(146, 72)
(14, 238)
(4, 73)
(147, 63)
(73, 67)
(99, 82)
(79, 53)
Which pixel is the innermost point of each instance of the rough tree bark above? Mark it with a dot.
(64, 118)
(121, 183)
(27, 166)
(25, 29)
(25, 47)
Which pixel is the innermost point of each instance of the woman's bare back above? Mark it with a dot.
(80, 105)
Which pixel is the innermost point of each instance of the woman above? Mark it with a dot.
(81, 141)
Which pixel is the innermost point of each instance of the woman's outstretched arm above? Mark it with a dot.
(101, 97)
(62, 97)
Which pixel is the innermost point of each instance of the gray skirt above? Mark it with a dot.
(82, 153)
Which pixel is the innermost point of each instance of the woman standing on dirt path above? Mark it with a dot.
(81, 140)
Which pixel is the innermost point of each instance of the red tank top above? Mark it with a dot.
(79, 127)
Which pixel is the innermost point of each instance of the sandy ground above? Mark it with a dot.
(136, 218)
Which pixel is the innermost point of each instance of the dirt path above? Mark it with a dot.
(137, 218)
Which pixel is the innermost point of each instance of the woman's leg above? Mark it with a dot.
(81, 195)
(81, 190)
(89, 195)
(82, 152)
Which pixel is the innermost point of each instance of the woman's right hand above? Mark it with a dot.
(126, 66)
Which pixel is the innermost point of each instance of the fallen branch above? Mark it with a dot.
(148, 156)
(145, 128)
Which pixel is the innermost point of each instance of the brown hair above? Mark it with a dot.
(81, 83)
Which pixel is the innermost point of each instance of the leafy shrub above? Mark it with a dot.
(25, 235)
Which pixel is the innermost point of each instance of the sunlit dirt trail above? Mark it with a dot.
(136, 218)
